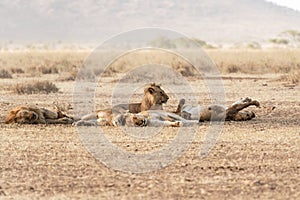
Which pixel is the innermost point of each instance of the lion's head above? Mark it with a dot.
(154, 97)
(130, 119)
(22, 115)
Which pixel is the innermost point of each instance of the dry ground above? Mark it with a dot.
(258, 159)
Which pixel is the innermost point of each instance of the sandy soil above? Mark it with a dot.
(257, 159)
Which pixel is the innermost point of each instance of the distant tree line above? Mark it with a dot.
(164, 42)
(289, 38)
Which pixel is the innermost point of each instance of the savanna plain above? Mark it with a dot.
(256, 159)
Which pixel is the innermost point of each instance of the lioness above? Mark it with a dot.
(152, 118)
(35, 115)
(219, 112)
(190, 115)
(153, 99)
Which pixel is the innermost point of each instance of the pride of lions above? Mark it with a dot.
(147, 113)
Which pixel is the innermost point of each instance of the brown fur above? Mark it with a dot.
(35, 115)
(153, 99)
(154, 118)
(219, 112)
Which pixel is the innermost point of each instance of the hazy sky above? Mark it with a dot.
(295, 4)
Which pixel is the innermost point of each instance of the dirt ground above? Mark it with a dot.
(257, 159)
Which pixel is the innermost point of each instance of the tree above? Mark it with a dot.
(293, 36)
(163, 42)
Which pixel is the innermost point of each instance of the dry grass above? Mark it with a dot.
(5, 74)
(292, 77)
(281, 61)
(17, 70)
(256, 61)
(68, 76)
(48, 69)
(42, 62)
(151, 57)
(38, 87)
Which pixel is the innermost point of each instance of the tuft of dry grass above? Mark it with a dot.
(17, 70)
(68, 76)
(5, 74)
(48, 69)
(38, 87)
(293, 77)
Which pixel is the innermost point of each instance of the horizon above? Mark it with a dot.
(292, 4)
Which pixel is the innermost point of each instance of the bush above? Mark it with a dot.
(232, 69)
(48, 70)
(43, 87)
(292, 77)
(5, 74)
(17, 71)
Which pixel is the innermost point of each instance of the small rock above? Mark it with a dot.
(109, 184)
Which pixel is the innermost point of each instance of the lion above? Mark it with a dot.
(185, 115)
(153, 99)
(34, 115)
(219, 112)
(154, 118)
(189, 115)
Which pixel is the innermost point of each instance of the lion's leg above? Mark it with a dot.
(179, 107)
(64, 120)
(173, 124)
(48, 114)
(159, 123)
(92, 116)
(118, 120)
(234, 109)
(86, 123)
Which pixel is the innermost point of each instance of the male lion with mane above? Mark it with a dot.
(35, 115)
(153, 99)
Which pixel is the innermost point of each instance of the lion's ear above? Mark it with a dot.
(155, 84)
(150, 90)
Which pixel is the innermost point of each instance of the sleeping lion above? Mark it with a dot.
(154, 118)
(35, 115)
(185, 115)
(234, 112)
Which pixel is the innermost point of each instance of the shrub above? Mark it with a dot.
(279, 41)
(232, 69)
(44, 87)
(17, 71)
(5, 74)
(48, 70)
(292, 77)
